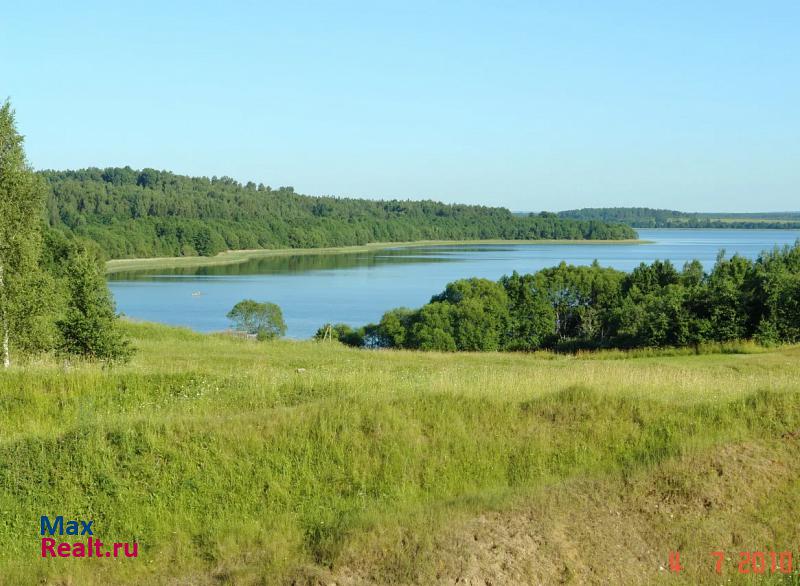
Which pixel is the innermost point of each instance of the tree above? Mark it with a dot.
(775, 286)
(479, 315)
(53, 297)
(583, 300)
(342, 333)
(533, 319)
(433, 328)
(4, 318)
(728, 299)
(264, 320)
(24, 288)
(393, 329)
(89, 328)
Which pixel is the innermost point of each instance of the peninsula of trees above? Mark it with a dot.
(569, 308)
(656, 218)
(149, 213)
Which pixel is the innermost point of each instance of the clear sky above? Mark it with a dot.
(691, 105)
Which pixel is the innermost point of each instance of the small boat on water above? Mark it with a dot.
(196, 293)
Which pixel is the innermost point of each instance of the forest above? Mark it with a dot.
(568, 308)
(657, 218)
(149, 213)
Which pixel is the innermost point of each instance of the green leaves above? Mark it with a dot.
(264, 320)
(89, 326)
(54, 297)
(25, 291)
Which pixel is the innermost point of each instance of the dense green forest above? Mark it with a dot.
(150, 213)
(655, 218)
(585, 307)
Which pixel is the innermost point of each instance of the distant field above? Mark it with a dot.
(300, 462)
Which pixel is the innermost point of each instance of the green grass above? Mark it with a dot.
(229, 463)
(240, 256)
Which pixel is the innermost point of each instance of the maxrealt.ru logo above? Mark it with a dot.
(91, 547)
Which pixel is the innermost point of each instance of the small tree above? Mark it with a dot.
(265, 320)
(89, 327)
(342, 333)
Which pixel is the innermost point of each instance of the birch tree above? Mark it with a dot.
(21, 208)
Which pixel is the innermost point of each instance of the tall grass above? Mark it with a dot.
(247, 461)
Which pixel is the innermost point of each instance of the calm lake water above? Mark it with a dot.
(357, 288)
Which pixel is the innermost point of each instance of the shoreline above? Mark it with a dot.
(239, 256)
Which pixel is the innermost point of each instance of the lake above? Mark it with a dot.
(357, 288)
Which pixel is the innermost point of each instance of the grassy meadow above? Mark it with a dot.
(231, 461)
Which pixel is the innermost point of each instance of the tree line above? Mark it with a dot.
(147, 213)
(53, 295)
(657, 218)
(567, 308)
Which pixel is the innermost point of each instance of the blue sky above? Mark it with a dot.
(530, 105)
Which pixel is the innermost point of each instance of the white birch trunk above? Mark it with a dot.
(4, 320)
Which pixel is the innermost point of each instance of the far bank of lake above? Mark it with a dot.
(357, 285)
(241, 256)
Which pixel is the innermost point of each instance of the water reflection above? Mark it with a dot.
(357, 288)
(298, 263)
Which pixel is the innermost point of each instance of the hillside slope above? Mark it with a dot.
(299, 462)
(152, 213)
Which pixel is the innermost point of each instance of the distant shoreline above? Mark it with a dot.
(240, 256)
